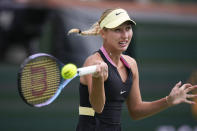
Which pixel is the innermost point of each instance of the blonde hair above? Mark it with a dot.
(95, 28)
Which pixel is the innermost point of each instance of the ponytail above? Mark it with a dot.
(94, 30)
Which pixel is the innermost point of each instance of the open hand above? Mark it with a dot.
(179, 94)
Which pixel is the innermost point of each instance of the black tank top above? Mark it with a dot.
(116, 91)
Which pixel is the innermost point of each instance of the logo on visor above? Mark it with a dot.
(119, 13)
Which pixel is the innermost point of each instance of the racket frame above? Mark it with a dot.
(80, 72)
(26, 61)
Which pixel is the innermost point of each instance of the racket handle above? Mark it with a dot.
(86, 70)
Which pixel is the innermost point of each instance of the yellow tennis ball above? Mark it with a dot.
(69, 71)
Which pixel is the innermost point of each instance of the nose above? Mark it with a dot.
(124, 34)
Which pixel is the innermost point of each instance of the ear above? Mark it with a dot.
(102, 33)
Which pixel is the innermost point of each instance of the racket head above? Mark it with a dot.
(39, 79)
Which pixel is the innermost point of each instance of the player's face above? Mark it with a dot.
(118, 38)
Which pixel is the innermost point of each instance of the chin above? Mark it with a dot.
(124, 48)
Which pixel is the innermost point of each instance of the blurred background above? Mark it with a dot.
(164, 45)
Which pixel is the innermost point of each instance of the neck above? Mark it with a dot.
(114, 56)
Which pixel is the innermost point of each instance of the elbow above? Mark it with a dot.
(135, 114)
(98, 110)
(138, 116)
(98, 106)
(135, 117)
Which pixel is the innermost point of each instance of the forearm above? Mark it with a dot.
(97, 95)
(146, 109)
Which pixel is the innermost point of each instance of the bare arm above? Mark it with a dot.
(95, 82)
(139, 109)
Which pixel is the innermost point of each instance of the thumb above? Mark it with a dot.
(179, 83)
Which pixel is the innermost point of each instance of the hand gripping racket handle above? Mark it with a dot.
(86, 70)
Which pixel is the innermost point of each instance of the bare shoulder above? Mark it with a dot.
(131, 61)
(92, 58)
(133, 64)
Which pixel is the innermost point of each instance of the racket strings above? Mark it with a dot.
(40, 80)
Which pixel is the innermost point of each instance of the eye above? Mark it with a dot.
(117, 30)
(128, 28)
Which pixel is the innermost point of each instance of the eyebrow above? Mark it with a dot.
(126, 24)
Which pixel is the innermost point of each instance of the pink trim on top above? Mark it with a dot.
(107, 56)
(124, 62)
(110, 60)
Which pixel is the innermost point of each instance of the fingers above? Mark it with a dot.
(190, 88)
(102, 69)
(178, 84)
(189, 102)
(189, 96)
(187, 88)
(184, 86)
(180, 94)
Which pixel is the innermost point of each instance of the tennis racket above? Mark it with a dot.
(40, 81)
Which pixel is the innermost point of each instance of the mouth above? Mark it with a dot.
(123, 43)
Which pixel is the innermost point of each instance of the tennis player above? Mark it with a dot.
(117, 80)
